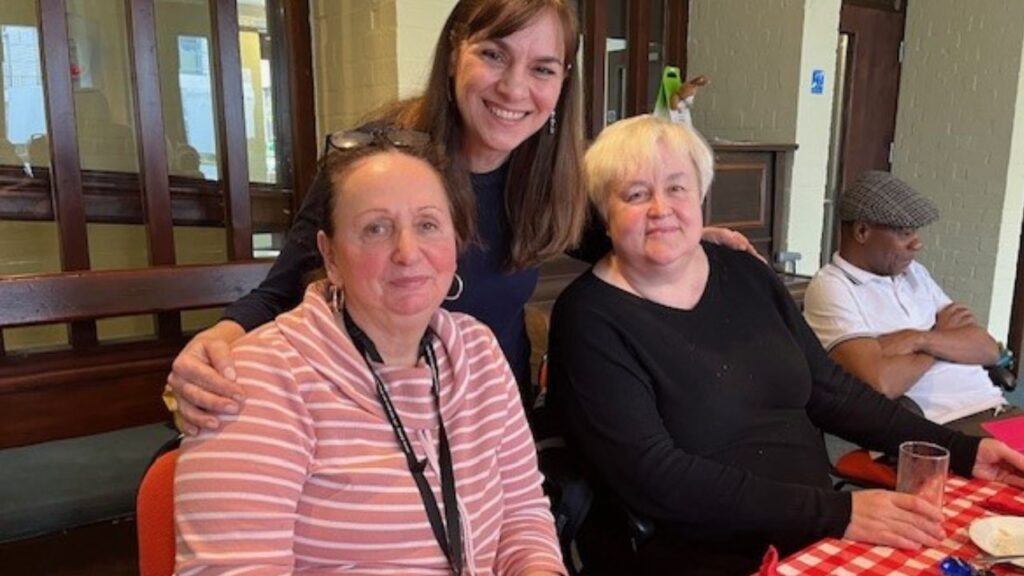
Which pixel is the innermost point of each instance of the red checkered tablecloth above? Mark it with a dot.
(843, 557)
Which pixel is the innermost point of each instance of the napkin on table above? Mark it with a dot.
(1004, 503)
(770, 564)
(1009, 430)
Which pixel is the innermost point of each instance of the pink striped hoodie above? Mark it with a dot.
(308, 478)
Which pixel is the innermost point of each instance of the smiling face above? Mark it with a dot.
(654, 213)
(889, 251)
(506, 88)
(393, 247)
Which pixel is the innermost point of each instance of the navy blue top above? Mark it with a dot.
(492, 294)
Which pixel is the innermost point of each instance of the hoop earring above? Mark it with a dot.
(458, 291)
(336, 297)
(551, 123)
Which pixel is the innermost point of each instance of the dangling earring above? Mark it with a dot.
(336, 296)
(458, 291)
(448, 90)
(551, 123)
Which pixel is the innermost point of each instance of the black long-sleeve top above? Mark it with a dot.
(709, 420)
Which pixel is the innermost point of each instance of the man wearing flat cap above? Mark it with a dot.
(883, 318)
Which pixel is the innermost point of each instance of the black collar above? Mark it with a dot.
(366, 346)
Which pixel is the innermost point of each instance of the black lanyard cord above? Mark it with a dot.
(448, 533)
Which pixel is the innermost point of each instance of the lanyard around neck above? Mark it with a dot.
(448, 533)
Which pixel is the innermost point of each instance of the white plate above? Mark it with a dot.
(999, 535)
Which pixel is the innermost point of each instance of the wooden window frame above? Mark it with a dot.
(595, 26)
(109, 385)
(128, 198)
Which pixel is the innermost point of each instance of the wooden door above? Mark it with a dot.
(875, 31)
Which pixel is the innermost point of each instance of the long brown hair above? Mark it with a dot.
(545, 199)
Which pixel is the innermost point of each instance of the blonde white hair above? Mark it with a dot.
(630, 144)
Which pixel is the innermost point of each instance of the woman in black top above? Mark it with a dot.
(697, 393)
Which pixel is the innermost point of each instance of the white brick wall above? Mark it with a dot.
(958, 142)
(760, 56)
(751, 51)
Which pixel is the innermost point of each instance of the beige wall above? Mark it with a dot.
(355, 54)
(420, 22)
(362, 62)
(760, 56)
(959, 141)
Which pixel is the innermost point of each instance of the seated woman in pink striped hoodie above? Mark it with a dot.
(380, 434)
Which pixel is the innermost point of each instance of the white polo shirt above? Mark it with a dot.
(845, 302)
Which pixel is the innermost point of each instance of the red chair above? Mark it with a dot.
(857, 467)
(154, 514)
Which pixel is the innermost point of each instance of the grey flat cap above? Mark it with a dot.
(881, 198)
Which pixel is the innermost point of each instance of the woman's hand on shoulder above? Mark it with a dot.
(202, 378)
(894, 519)
(997, 461)
(730, 239)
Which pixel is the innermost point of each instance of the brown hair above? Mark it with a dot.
(545, 199)
(338, 163)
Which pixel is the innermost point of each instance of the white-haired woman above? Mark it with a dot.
(697, 393)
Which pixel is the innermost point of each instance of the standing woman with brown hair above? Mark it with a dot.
(503, 99)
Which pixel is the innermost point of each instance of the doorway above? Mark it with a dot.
(868, 63)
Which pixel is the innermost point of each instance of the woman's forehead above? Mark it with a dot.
(390, 177)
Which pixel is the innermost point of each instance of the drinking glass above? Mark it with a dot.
(922, 470)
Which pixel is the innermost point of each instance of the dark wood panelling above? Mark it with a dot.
(64, 161)
(555, 275)
(232, 151)
(114, 197)
(886, 5)
(301, 98)
(105, 549)
(66, 393)
(91, 387)
(677, 21)
(51, 298)
(63, 136)
(154, 180)
(80, 402)
(739, 197)
(594, 40)
(638, 40)
(748, 193)
(149, 123)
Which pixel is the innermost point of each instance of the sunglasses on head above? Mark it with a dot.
(381, 137)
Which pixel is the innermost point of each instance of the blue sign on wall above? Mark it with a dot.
(817, 81)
